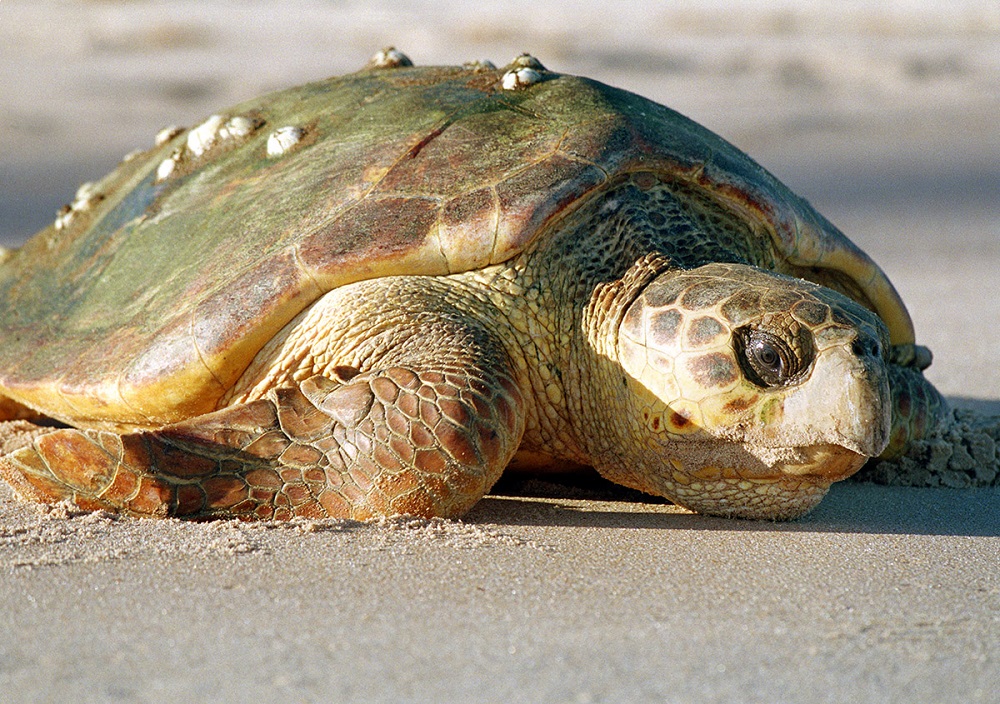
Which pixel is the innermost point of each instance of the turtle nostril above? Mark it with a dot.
(866, 348)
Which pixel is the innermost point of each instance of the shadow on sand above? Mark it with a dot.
(850, 507)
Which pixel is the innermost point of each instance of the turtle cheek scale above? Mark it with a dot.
(781, 447)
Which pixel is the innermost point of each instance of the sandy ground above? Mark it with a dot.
(884, 117)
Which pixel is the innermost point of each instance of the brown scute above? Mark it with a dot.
(178, 461)
(190, 500)
(268, 446)
(72, 450)
(702, 331)
(703, 294)
(661, 294)
(122, 487)
(403, 378)
(348, 404)
(263, 479)
(664, 327)
(678, 420)
(298, 417)
(811, 313)
(779, 299)
(742, 307)
(224, 491)
(152, 498)
(723, 289)
(741, 404)
(429, 461)
(713, 369)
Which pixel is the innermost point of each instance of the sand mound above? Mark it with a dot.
(961, 453)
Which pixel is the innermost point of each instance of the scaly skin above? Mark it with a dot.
(592, 348)
(917, 408)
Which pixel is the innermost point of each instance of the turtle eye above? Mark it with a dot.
(767, 360)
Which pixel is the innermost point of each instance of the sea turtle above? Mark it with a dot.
(370, 294)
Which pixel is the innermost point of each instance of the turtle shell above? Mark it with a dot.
(153, 291)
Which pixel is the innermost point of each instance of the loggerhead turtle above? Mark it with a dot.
(368, 295)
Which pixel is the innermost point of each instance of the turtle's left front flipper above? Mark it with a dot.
(344, 448)
(153, 473)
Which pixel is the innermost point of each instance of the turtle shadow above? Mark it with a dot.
(848, 508)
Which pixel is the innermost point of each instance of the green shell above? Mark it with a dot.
(155, 289)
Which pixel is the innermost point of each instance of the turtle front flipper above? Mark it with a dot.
(395, 441)
(917, 407)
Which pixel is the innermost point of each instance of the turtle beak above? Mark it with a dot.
(846, 403)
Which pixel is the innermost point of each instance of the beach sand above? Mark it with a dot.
(885, 118)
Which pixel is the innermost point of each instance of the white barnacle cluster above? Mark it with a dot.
(527, 61)
(479, 65)
(522, 72)
(284, 139)
(166, 134)
(169, 165)
(389, 57)
(87, 196)
(520, 78)
(216, 131)
(203, 137)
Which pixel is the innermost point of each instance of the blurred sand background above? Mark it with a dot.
(885, 115)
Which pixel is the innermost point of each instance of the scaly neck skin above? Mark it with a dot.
(575, 286)
(560, 309)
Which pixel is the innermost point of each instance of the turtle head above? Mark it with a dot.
(749, 392)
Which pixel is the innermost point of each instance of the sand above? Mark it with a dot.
(884, 117)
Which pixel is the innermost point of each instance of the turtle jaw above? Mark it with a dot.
(737, 480)
(824, 462)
